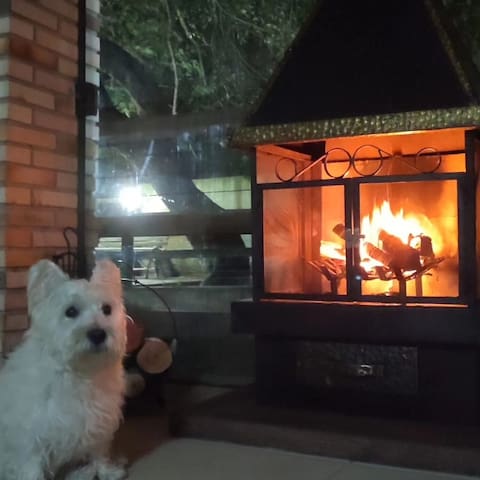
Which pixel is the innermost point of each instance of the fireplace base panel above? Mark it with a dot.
(421, 363)
(436, 384)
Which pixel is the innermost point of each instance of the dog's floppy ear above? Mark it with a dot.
(43, 278)
(107, 274)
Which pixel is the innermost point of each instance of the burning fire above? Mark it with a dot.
(381, 223)
(407, 228)
(400, 225)
(332, 250)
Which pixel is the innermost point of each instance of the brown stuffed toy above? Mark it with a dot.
(146, 356)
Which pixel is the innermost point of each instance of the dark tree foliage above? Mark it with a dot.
(194, 55)
(466, 17)
(200, 54)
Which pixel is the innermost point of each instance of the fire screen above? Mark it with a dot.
(369, 226)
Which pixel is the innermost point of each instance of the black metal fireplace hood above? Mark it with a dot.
(368, 67)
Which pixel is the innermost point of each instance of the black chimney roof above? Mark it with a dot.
(371, 66)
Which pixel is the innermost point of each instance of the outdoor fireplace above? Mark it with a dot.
(366, 214)
(360, 223)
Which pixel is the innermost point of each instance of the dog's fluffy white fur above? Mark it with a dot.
(61, 391)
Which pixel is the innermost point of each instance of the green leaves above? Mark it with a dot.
(123, 99)
(223, 50)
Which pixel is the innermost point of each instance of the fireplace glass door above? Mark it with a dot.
(408, 242)
(303, 252)
(362, 239)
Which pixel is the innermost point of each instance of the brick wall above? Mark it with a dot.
(38, 144)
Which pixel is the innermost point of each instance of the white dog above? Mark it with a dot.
(61, 391)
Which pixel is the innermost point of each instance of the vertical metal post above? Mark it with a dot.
(467, 222)
(352, 230)
(81, 139)
(128, 256)
(258, 267)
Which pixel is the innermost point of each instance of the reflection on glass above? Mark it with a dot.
(302, 251)
(179, 260)
(192, 171)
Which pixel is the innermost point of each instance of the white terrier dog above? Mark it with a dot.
(61, 391)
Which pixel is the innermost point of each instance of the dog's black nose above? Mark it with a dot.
(97, 335)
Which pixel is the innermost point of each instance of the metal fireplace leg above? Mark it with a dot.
(419, 286)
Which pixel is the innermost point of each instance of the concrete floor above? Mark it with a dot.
(207, 460)
(144, 440)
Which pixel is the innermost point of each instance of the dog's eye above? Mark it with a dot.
(106, 309)
(72, 312)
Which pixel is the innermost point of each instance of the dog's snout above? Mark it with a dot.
(97, 335)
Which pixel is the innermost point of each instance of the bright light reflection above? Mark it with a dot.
(130, 198)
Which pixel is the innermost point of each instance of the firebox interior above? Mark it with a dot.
(373, 217)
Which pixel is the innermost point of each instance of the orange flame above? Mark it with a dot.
(332, 250)
(399, 225)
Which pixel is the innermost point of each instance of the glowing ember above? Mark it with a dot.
(332, 250)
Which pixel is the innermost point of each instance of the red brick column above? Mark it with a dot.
(38, 145)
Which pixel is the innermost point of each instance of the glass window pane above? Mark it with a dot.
(191, 171)
(176, 79)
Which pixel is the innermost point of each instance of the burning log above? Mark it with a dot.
(330, 267)
(425, 245)
(378, 254)
(395, 256)
(339, 230)
(403, 256)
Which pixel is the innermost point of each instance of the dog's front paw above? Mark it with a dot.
(98, 470)
(108, 471)
(86, 472)
(28, 473)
